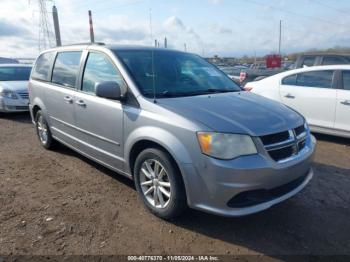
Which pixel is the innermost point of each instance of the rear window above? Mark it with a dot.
(334, 60)
(42, 67)
(289, 80)
(309, 61)
(66, 68)
(320, 79)
(13, 73)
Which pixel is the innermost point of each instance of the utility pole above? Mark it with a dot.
(155, 43)
(92, 36)
(280, 39)
(165, 43)
(56, 25)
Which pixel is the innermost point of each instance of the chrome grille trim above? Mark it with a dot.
(288, 148)
(23, 95)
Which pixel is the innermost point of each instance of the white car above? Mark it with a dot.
(14, 87)
(320, 93)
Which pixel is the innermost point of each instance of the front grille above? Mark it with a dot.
(275, 138)
(258, 196)
(22, 107)
(299, 130)
(283, 145)
(24, 95)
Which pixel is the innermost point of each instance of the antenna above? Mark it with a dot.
(155, 43)
(280, 39)
(150, 25)
(153, 80)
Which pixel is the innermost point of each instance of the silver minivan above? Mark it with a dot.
(175, 124)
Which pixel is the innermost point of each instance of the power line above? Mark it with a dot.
(294, 13)
(330, 7)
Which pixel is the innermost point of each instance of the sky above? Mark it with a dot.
(208, 27)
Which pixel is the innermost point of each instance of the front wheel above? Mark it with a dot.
(159, 183)
(43, 131)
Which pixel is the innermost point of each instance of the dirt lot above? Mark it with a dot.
(57, 202)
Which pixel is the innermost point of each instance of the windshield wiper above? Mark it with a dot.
(214, 90)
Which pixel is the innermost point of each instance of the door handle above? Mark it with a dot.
(345, 102)
(80, 103)
(68, 99)
(289, 96)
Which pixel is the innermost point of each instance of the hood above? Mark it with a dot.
(16, 86)
(239, 112)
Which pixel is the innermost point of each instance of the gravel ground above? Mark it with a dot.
(57, 202)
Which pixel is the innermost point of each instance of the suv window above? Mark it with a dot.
(309, 61)
(99, 68)
(42, 66)
(321, 79)
(334, 60)
(289, 80)
(346, 80)
(66, 68)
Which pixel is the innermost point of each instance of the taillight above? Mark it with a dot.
(247, 88)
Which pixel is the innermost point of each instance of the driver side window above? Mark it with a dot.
(98, 69)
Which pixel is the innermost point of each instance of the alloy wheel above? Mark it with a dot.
(42, 130)
(155, 183)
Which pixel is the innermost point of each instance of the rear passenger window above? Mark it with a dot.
(289, 80)
(42, 66)
(309, 61)
(334, 60)
(346, 80)
(66, 68)
(98, 69)
(320, 79)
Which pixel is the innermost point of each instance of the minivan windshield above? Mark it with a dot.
(173, 74)
(14, 73)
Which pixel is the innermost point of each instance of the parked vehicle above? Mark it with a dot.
(303, 60)
(320, 93)
(14, 87)
(232, 72)
(177, 125)
(317, 59)
(5, 60)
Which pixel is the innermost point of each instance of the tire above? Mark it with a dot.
(167, 181)
(42, 127)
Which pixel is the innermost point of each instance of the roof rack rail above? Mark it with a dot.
(89, 43)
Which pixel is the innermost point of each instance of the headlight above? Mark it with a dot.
(226, 146)
(8, 94)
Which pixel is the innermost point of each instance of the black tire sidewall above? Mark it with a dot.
(178, 196)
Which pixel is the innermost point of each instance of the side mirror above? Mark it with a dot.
(108, 89)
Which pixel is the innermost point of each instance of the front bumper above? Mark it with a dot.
(13, 105)
(212, 186)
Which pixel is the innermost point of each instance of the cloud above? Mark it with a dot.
(233, 34)
(11, 29)
(176, 28)
(216, 2)
(174, 22)
(116, 34)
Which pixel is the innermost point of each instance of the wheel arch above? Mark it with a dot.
(37, 105)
